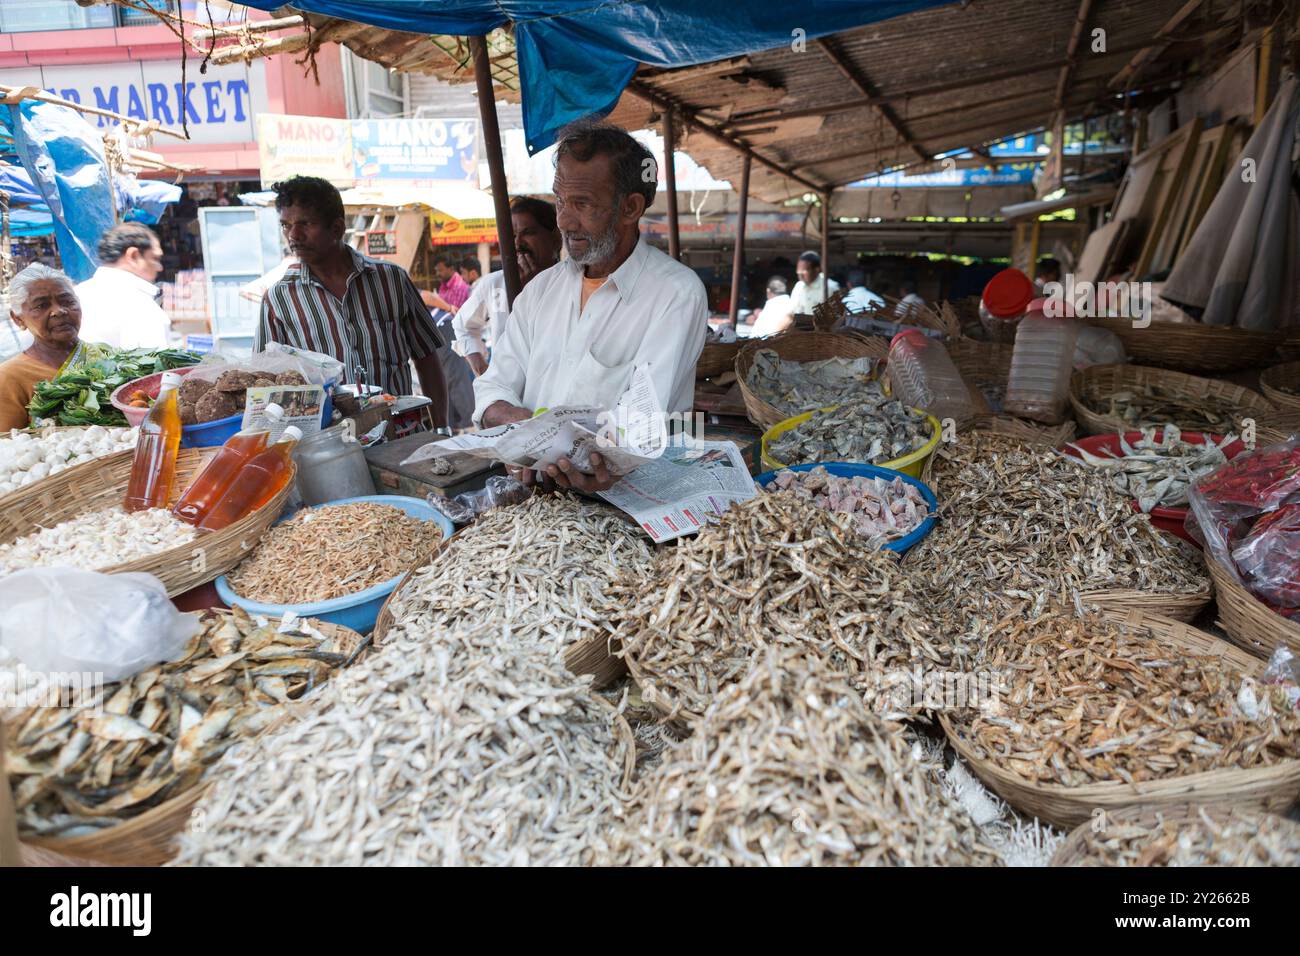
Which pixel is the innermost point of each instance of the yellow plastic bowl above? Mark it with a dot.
(909, 464)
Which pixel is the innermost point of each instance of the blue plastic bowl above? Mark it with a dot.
(358, 611)
(211, 434)
(844, 469)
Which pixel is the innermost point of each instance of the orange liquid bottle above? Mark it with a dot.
(258, 482)
(215, 479)
(153, 470)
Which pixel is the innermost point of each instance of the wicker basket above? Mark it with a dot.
(1273, 380)
(717, 358)
(101, 484)
(1074, 851)
(1175, 607)
(1102, 380)
(800, 347)
(1248, 621)
(1193, 347)
(1269, 788)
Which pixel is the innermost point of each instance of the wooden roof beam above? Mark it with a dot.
(1071, 58)
(1126, 77)
(863, 86)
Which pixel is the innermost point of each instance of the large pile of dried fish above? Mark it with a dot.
(1211, 837)
(772, 570)
(789, 768)
(1158, 472)
(330, 552)
(1150, 406)
(136, 743)
(1018, 523)
(871, 432)
(97, 539)
(796, 387)
(878, 510)
(472, 747)
(1087, 701)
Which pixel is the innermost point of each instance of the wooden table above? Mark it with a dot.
(417, 480)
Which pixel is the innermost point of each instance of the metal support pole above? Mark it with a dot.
(670, 170)
(826, 244)
(738, 263)
(487, 111)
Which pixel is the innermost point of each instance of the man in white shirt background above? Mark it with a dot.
(581, 328)
(810, 291)
(910, 304)
(776, 315)
(119, 303)
(859, 298)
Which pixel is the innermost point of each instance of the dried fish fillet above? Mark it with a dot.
(796, 387)
(878, 510)
(869, 431)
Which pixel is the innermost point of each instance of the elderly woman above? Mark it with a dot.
(42, 301)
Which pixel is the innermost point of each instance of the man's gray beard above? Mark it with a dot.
(599, 248)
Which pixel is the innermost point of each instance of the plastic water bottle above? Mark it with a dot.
(1041, 364)
(922, 375)
(1005, 300)
(153, 469)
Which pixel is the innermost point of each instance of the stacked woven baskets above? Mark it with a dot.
(800, 347)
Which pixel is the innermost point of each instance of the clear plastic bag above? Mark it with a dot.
(1283, 673)
(1098, 346)
(498, 491)
(64, 620)
(316, 369)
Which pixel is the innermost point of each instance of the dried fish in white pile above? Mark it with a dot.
(1090, 701)
(772, 570)
(789, 768)
(1150, 406)
(1205, 836)
(1158, 472)
(1020, 524)
(144, 740)
(867, 432)
(97, 539)
(333, 551)
(878, 510)
(796, 387)
(469, 747)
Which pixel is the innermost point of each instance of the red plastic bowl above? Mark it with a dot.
(1166, 519)
(151, 385)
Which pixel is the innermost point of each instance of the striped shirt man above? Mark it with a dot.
(379, 326)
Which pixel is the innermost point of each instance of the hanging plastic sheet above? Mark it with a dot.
(138, 200)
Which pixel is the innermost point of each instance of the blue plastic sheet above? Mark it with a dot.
(576, 56)
(137, 200)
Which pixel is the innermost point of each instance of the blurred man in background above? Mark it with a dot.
(119, 303)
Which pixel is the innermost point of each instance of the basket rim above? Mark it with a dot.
(761, 412)
(897, 464)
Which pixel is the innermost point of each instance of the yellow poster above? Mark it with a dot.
(304, 146)
(446, 231)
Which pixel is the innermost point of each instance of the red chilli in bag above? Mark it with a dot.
(1260, 481)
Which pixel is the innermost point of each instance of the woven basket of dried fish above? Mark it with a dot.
(799, 347)
(1107, 711)
(100, 486)
(717, 357)
(789, 768)
(1027, 433)
(131, 762)
(1281, 386)
(1186, 834)
(1194, 347)
(1021, 526)
(985, 367)
(1117, 398)
(773, 570)
(1250, 623)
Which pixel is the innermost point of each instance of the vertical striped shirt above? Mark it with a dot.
(379, 325)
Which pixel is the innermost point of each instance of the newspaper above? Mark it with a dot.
(626, 437)
(683, 488)
(301, 403)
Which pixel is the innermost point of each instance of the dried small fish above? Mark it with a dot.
(796, 387)
(870, 431)
(878, 510)
(1158, 472)
(1153, 405)
(1201, 836)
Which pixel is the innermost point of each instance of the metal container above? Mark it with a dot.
(332, 465)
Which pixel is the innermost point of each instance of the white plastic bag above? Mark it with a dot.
(316, 369)
(62, 620)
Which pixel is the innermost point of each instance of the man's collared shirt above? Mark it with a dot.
(652, 310)
(380, 324)
(454, 291)
(807, 297)
(120, 309)
(486, 308)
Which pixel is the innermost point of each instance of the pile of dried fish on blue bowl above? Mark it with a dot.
(871, 431)
(797, 387)
(142, 741)
(1158, 472)
(879, 510)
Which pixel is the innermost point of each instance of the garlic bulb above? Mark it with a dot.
(25, 457)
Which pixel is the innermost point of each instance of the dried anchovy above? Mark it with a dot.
(1019, 524)
(869, 431)
(97, 539)
(472, 747)
(1158, 473)
(1090, 701)
(1220, 836)
(878, 510)
(141, 741)
(772, 570)
(788, 768)
(796, 387)
(330, 552)
(1154, 405)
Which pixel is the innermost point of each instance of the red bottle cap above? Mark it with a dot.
(916, 332)
(1008, 294)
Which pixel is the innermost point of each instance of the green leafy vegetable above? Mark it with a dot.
(80, 396)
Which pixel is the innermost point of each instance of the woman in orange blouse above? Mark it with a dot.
(42, 301)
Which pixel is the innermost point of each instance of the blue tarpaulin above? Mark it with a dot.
(576, 56)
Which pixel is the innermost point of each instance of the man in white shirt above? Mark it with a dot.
(537, 247)
(910, 305)
(119, 303)
(810, 291)
(776, 315)
(859, 298)
(582, 327)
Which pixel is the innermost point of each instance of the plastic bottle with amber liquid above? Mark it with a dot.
(258, 482)
(153, 470)
(215, 480)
